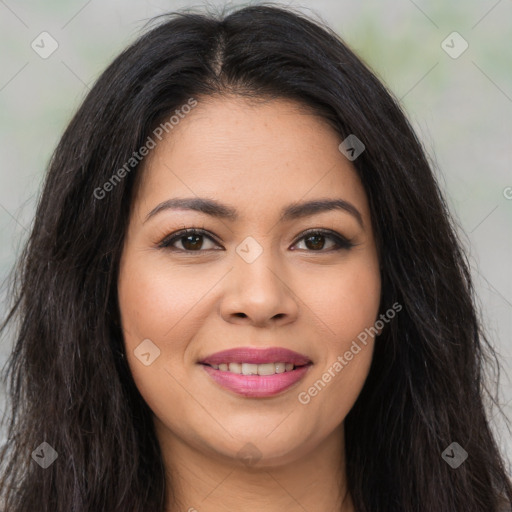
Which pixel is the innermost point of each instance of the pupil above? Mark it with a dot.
(317, 245)
(187, 240)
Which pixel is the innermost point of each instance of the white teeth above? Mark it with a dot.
(235, 367)
(254, 369)
(280, 367)
(266, 369)
(249, 369)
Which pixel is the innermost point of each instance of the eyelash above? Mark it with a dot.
(341, 241)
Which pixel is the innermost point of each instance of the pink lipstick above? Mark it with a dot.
(256, 373)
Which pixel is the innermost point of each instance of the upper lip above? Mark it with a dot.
(257, 356)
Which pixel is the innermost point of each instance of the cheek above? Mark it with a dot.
(346, 301)
(155, 301)
(345, 309)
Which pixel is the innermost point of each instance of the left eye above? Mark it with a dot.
(191, 240)
(313, 240)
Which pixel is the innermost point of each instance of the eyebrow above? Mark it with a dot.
(291, 212)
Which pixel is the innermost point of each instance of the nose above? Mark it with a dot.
(259, 293)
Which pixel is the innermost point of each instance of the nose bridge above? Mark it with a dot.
(259, 289)
(256, 266)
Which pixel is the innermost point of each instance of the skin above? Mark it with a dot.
(298, 294)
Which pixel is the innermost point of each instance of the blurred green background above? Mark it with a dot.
(461, 108)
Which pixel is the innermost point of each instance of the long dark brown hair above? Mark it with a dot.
(69, 385)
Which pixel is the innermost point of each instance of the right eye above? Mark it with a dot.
(189, 238)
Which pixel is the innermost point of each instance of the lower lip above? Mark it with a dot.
(256, 386)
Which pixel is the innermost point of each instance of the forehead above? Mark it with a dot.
(257, 156)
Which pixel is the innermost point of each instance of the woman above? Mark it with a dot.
(243, 291)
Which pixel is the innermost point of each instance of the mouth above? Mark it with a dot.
(256, 373)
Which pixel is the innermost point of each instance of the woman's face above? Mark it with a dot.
(252, 279)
